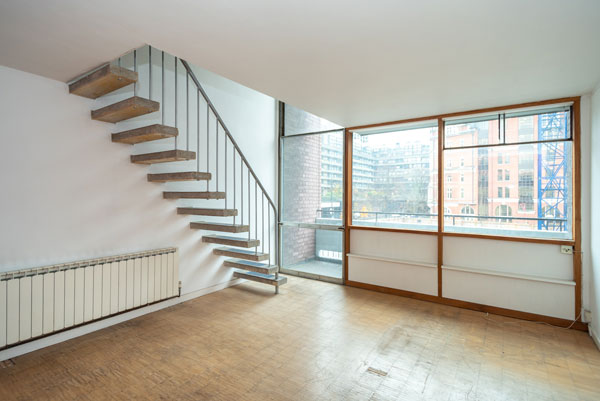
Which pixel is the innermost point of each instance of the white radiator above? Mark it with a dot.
(42, 301)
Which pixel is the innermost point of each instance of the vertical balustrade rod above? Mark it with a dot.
(150, 72)
(269, 232)
(242, 190)
(176, 102)
(276, 248)
(198, 131)
(187, 111)
(256, 210)
(262, 222)
(234, 186)
(207, 142)
(217, 151)
(162, 105)
(135, 70)
(249, 206)
(225, 145)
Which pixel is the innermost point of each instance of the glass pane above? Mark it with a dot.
(394, 179)
(313, 253)
(298, 121)
(312, 171)
(517, 190)
(511, 129)
(472, 133)
(540, 127)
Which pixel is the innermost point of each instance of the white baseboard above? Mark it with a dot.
(110, 321)
(594, 336)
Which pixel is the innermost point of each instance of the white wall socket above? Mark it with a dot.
(566, 249)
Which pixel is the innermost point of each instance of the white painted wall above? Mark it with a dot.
(69, 193)
(594, 274)
(528, 277)
(395, 260)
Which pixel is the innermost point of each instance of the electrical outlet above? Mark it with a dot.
(566, 249)
(587, 316)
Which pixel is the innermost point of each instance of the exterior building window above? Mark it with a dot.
(468, 210)
(462, 177)
(503, 210)
(449, 193)
(449, 178)
(401, 191)
(534, 149)
(462, 193)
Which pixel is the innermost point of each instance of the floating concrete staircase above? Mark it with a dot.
(194, 195)
(166, 156)
(261, 278)
(148, 133)
(223, 227)
(207, 212)
(232, 241)
(106, 79)
(250, 265)
(110, 78)
(180, 176)
(125, 109)
(241, 254)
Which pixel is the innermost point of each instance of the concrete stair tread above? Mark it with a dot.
(179, 176)
(106, 79)
(200, 211)
(261, 278)
(223, 227)
(232, 241)
(193, 195)
(250, 265)
(166, 156)
(241, 253)
(145, 134)
(133, 107)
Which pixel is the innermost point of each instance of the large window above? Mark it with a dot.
(519, 174)
(312, 193)
(394, 177)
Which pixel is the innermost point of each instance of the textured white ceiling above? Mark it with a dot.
(351, 61)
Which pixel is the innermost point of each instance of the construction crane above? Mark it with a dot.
(553, 160)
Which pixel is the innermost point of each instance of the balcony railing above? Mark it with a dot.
(553, 224)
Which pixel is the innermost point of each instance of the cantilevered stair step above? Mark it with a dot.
(226, 228)
(250, 265)
(102, 81)
(133, 107)
(163, 157)
(145, 134)
(179, 176)
(194, 195)
(207, 211)
(231, 241)
(261, 278)
(241, 254)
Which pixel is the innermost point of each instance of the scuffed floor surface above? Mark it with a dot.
(314, 341)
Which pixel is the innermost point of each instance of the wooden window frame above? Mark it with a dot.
(576, 199)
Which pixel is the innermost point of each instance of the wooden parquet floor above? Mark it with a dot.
(314, 341)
